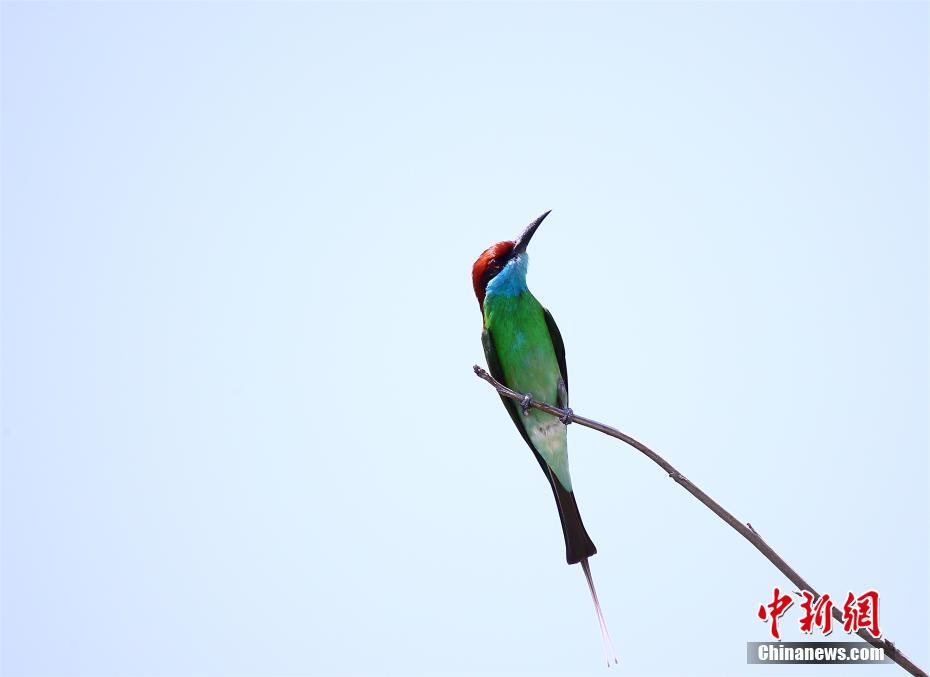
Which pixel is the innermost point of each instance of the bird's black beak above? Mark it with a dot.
(520, 244)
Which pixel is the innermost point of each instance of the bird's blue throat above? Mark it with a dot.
(511, 281)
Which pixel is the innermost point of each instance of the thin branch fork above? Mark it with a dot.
(745, 530)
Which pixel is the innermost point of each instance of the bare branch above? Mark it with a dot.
(745, 530)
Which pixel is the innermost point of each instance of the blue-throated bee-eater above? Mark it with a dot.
(525, 352)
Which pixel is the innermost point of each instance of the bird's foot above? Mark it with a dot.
(526, 402)
(568, 416)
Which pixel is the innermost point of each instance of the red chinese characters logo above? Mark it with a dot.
(817, 613)
(861, 613)
(775, 609)
(858, 613)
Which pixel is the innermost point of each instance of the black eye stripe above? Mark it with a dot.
(493, 268)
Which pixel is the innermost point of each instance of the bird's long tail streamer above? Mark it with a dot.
(609, 652)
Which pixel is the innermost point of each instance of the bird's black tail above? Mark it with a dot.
(578, 545)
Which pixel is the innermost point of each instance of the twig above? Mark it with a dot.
(745, 530)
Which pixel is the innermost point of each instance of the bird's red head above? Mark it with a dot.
(494, 258)
(490, 263)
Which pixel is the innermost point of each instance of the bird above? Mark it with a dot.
(525, 352)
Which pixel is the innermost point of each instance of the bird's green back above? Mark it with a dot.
(528, 361)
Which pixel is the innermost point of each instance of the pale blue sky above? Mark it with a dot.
(240, 430)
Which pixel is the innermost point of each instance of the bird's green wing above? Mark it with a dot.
(559, 346)
(494, 367)
(578, 545)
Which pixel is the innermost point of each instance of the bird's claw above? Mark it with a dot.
(568, 416)
(526, 402)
